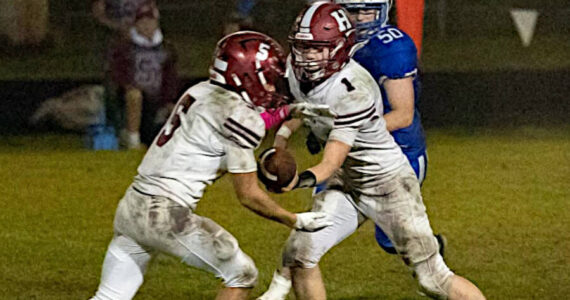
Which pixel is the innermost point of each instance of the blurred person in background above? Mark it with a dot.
(144, 81)
(118, 15)
(214, 130)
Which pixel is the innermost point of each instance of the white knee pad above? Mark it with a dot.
(244, 272)
(434, 276)
(225, 245)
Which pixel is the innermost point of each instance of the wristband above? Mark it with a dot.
(307, 179)
(284, 131)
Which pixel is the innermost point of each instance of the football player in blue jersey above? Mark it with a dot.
(390, 56)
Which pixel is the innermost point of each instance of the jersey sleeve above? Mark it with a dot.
(391, 55)
(244, 130)
(398, 65)
(354, 107)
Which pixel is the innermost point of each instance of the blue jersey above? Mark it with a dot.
(392, 55)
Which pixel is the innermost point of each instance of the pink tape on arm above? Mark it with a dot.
(275, 117)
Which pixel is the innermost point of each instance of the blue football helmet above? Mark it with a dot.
(367, 30)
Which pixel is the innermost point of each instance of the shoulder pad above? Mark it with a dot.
(393, 39)
(354, 91)
(244, 127)
(391, 54)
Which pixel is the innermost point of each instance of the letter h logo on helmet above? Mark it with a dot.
(342, 19)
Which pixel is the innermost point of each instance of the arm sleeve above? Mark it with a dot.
(240, 160)
(398, 65)
(275, 117)
(400, 59)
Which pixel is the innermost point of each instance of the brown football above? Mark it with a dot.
(277, 169)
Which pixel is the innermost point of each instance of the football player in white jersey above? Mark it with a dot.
(213, 130)
(367, 175)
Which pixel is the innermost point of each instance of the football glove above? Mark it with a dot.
(312, 221)
(310, 110)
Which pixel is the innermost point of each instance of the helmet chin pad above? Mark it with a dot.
(310, 62)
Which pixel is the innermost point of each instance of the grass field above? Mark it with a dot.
(501, 197)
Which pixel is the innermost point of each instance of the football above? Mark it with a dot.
(277, 168)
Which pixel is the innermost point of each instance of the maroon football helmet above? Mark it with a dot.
(253, 65)
(321, 41)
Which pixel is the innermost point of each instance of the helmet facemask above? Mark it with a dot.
(315, 60)
(265, 89)
(368, 29)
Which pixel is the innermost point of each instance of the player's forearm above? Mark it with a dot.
(285, 131)
(261, 204)
(333, 158)
(254, 198)
(323, 171)
(396, 120)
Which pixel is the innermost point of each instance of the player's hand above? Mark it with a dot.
(306, 109)
(291, 184)
(312, 221)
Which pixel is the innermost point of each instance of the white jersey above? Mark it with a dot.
(353, 95)
(210, 132)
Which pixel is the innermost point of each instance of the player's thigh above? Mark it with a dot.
(165, 225)
(402, 216)
(202, 243)
(305, 249)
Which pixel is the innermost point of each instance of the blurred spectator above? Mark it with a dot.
(118, 15)
(143, 76)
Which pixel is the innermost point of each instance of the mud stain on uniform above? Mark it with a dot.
(224, 244)
(181, 218)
